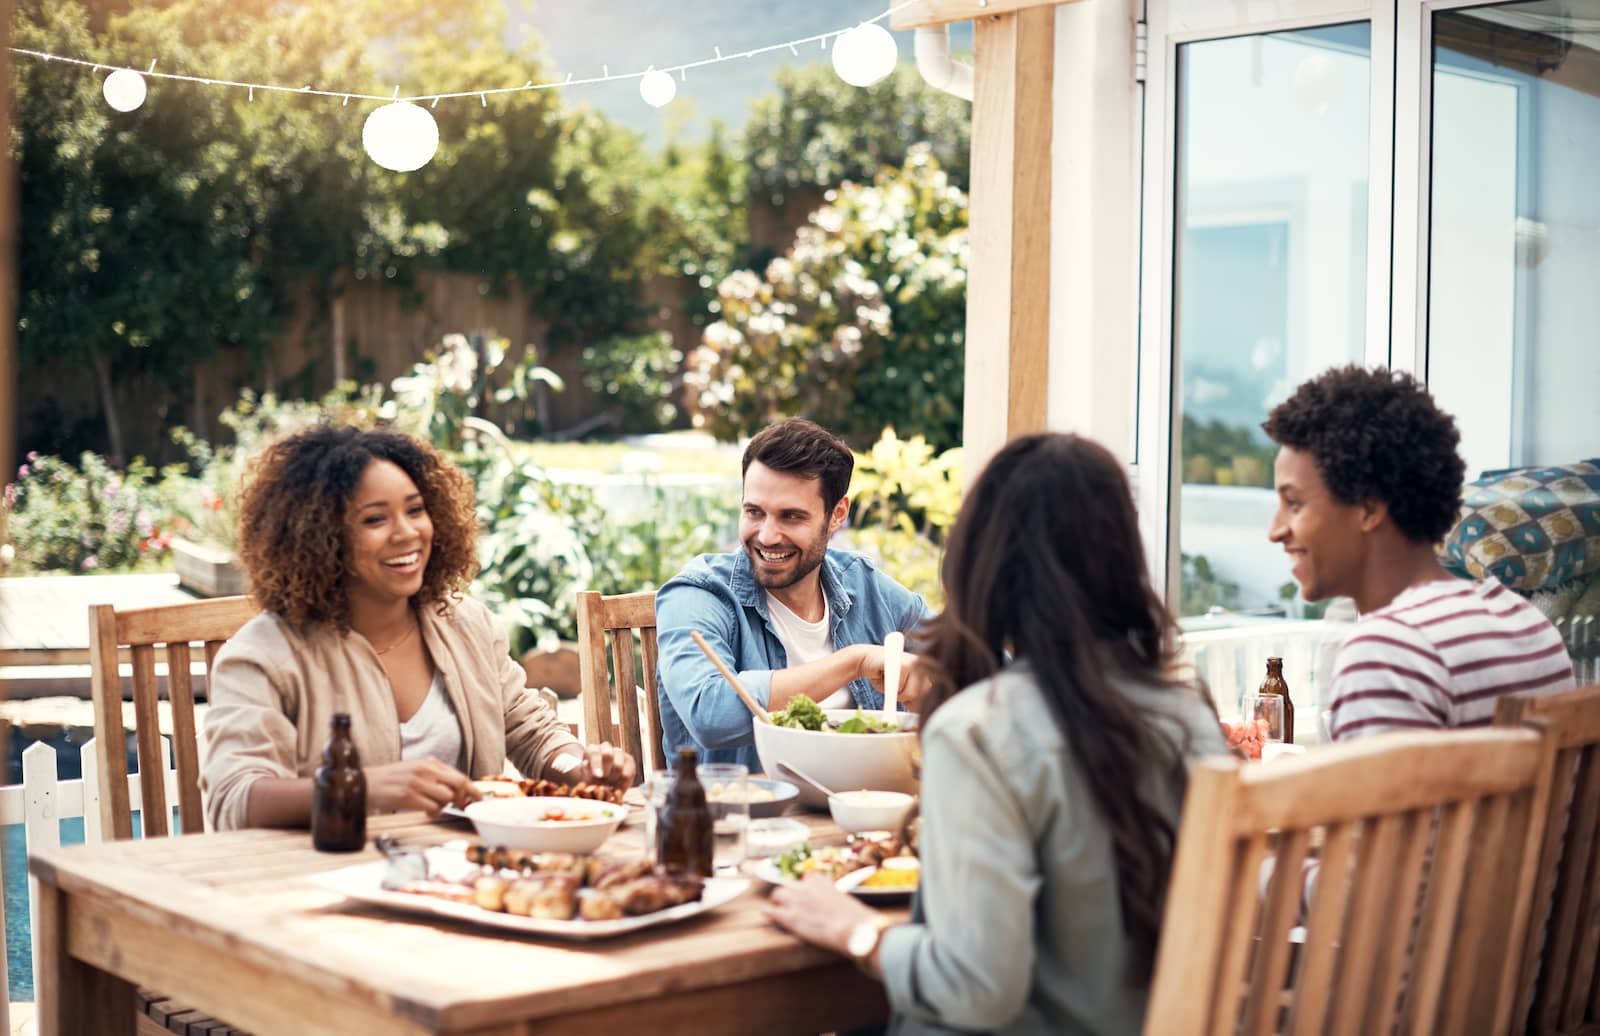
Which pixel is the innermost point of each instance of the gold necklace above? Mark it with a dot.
(403, 638)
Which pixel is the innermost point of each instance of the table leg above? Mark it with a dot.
(74, 997)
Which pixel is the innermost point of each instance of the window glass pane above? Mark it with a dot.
(1270, 278)
(1514, 247)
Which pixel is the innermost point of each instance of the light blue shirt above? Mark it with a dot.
(1018, 926)
(718, 595)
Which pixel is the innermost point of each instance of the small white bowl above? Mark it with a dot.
(521, 824)
(858, 811)
(774, 836)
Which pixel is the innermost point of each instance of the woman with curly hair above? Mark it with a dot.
(357, 544)
(1055, 742)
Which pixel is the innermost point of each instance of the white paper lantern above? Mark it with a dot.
(865, 54)
(400, 136)
(657, 88)
(124, 89)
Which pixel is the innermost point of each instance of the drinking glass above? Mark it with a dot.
(728, 796)
(655, 787)
(1267, 707)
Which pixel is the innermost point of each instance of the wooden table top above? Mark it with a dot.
(239, 897)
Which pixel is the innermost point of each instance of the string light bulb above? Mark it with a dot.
(865, 54)
(657, 88)
(124, 89)
(400, 136)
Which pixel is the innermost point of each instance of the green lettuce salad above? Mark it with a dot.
(804, 714)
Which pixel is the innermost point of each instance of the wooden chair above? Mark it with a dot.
(619, 616)
(143, 630)
(1559, 991)
(1417, 908)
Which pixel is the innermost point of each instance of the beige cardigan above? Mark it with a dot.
(274, 691)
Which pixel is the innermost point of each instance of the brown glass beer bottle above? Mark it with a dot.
(1274, 684)
(684, 825)
(339, 794)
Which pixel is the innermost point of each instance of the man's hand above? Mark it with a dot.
(601, 764)
(426, 784)
(913, 682)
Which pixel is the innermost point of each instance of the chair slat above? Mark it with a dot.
(110, 739)
(652, 696)
(1281, 911)
(1329, 900)
(1398, 926)
(1376, 861)
(626, 695)
(1242, 914)
(1436, 933)
(147, 732)
(593, 670)
(1577, 900)
(185, 745)
(1472, 924)
(1550, 892)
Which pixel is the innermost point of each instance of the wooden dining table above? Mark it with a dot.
(229, 924)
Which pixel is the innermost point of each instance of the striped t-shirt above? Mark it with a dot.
(1438, 655)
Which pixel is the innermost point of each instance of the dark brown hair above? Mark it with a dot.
(1375, 434)
(1045, 561)
(292, 536)
(804, 448)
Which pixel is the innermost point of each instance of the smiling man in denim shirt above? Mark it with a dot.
(785, 612)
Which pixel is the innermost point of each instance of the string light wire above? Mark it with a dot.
(682, 69)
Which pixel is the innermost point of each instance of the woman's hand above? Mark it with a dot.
(813, 910)
(604, 763)
(425, 784)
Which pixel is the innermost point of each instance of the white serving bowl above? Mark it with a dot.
(858, 811)
(520, 823)
(842, 762)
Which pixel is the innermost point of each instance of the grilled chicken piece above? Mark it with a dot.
(454, 891)
(489, 892)
(595, 905)
(648, 894)
(550, 896)
(605, 872)
(597, 792)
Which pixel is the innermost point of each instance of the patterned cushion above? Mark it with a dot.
(1530, 528)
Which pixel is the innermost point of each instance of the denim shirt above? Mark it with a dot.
(718, 595)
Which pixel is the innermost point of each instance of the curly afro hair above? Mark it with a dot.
(292, 520)
(1377, 435)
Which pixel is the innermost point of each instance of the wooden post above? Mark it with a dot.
(8, 267)
(1008, 281)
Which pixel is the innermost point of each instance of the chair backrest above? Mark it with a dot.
(1413, 914)
(1559, 992)
(615, 618)
(142, 630)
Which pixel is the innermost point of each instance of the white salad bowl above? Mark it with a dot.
(842, 762)
(858, 811)
(522, 823)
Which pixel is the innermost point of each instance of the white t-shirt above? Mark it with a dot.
(433, 729)
(806, 642)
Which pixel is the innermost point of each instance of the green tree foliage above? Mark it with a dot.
(1215, 453)
(818, 131)
(871, 296)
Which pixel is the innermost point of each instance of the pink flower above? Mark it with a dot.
(92, 561)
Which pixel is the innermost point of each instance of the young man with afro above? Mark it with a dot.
(1369, 481)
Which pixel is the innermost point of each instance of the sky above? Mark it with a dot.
(582, 36)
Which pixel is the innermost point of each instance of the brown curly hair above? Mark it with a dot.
(292, 537)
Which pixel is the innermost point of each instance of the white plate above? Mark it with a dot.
(364, 882)
(768, 872)
(634, 810)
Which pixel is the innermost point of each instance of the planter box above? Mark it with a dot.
(208, 571)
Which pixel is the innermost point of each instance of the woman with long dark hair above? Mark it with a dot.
(1055, 739)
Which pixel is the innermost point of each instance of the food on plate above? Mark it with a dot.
(887, 877)
(572, 815)
(804, 714)
(510, 788)
(560, 886)
(722, 791)
(835, 861)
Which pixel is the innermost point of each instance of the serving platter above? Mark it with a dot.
(364, 882)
